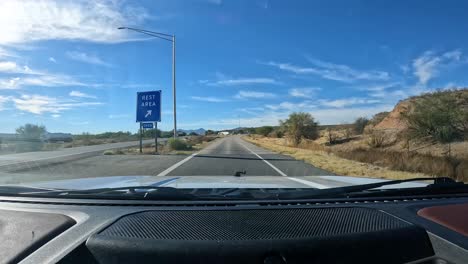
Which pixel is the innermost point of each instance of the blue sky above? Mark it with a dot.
(65, 65)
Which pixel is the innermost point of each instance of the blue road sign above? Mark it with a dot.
(148, 106)
(147, 125)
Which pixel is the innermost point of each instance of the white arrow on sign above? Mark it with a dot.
(148, 113)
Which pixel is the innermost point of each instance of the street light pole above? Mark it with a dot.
(170, 38)
(174, 85)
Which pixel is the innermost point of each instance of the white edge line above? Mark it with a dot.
(308, 183)
(271, 165)
(173, 167)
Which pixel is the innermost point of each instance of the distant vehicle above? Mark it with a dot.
(223, 133)
(56, 137)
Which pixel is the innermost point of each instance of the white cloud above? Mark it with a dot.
(325, 116)
(240, 81)
(427, 66)
(3, 100)
(13, 67)
(331, 71)
(291, 106)
(209, 99)
(307, 92)
(252, 94)
(39, 104)
(55, 115)
(7, 53)
(52, 59)
(95, 21)
(119, 116)
(81, 95)
(340, 103)
(87, 58)
(214, 2)
(9, 84)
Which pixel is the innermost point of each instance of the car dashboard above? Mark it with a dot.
(361, 230)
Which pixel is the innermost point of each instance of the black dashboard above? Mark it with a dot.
(381, 230)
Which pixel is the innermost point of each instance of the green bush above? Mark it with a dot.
(264, 130)
(177, 144)
(300, 125)
(439, 116)
(360, 124)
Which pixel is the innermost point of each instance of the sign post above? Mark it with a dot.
(148, 110)
(156, 138)
(141, 138)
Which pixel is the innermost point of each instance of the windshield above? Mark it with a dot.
(293, 95)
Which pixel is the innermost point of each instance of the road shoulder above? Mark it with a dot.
(329, 162)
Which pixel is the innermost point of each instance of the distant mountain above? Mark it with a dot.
(200, 131)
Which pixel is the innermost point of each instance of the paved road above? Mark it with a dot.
(232, 154)
(224, 157)
(19, 160)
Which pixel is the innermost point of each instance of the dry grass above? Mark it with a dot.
(164, 149)
(328, 161)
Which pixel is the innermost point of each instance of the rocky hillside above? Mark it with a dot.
(394, 120)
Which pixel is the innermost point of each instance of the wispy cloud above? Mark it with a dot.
(52, 59)
(42, 80)
(39, 104)
(240, 81)
(13, 67)
(9, 84)
(291, 106)
(119, 116)
(7, 53)
(252, 94)
(87, 58)
(95, 21)
(331, 71)
(426, 67)
(214, 2)
(305, 92)
(209, 99)
(81, 95)
(3, 100)
(340, 103)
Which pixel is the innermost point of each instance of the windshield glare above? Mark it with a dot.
(229, 95)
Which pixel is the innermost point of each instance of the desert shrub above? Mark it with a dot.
(360, 124)
(300, 125)
(178, 144)
(376, 139)
(276, 133)
(412, 162)
(438, 116)
(264, 130)
(332, 136)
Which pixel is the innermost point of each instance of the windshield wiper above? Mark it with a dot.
(130, 192)
(439, 183)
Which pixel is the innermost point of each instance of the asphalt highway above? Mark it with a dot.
(223, 157)
(232, 155)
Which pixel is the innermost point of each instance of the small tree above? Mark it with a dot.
(30, 137)
(210, 132)
(30, 131)
(360, 124)
(193, 134)
(331, 136)
(348, 133)
(264, 130)
(300, 125)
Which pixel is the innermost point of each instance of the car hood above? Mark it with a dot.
(320, 182)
